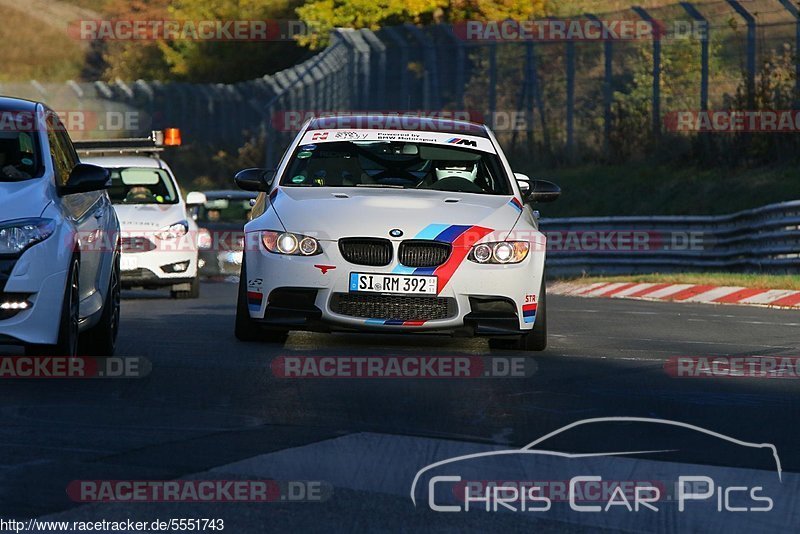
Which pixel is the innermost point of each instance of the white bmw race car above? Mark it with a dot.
(365, 227)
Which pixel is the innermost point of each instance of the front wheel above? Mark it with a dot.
(67, 342)
(192, 293)
(101, 339)
(246, 328)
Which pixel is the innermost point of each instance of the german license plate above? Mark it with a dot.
(393, 283)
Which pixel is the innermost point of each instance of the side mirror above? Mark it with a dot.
(544, 191)
(196, 198)
(86, 177)
(255, 179)
(538, 190)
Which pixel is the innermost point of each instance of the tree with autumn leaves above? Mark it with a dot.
(220, 61)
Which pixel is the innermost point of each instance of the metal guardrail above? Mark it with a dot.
(765, 239)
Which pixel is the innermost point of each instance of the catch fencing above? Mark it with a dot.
(550, 100)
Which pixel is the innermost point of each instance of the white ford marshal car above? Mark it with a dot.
(386, 224)
(159, 238)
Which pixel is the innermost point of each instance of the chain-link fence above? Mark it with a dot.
(561, 98)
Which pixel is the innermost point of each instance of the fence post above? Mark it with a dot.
(401, 43)
(751, 51)
(570, 67)
(459, 80)
(430, 68)
(791, 8)
(537, 95)
(377, 96)
(528, 91)
(692, 11)
(608, 93)
(492, 82)
(656, 69)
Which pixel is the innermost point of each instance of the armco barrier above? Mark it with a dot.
(765, 239)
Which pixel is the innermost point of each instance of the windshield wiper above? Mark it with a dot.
(381, 186)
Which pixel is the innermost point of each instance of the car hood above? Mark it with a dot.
(329, 214)
(148, 217)
(20, 200)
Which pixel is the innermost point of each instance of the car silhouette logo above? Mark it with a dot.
(395, 232)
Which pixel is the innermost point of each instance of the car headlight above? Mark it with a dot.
(18, 235)
(173, 231)
(289, 243)
(503, 252)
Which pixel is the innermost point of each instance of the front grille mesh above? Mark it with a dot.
(366, 251)
(423, 253)
(398, 307)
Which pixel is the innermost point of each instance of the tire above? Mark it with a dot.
(101, 339)
(246, 329)
(193, 293)
(67, 343)
(536, 339)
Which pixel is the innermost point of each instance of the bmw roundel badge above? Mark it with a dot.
(395, 232)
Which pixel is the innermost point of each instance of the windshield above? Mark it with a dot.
(19, 159)
(138, 185)
(397, 165)
(224, 210)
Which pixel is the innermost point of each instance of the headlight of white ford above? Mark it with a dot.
(503, 252)
(18, 235)
(289, 243)
(173, 231)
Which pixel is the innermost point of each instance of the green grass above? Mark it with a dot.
(639, 189)
(758, 281)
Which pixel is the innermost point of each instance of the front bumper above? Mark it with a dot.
(307, 293)
(156, 268)
(38, 276)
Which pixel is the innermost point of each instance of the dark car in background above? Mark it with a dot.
(221, 220)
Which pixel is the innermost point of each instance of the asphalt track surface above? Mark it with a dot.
(212, 401)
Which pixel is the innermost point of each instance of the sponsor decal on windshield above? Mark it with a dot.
(437, 138)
